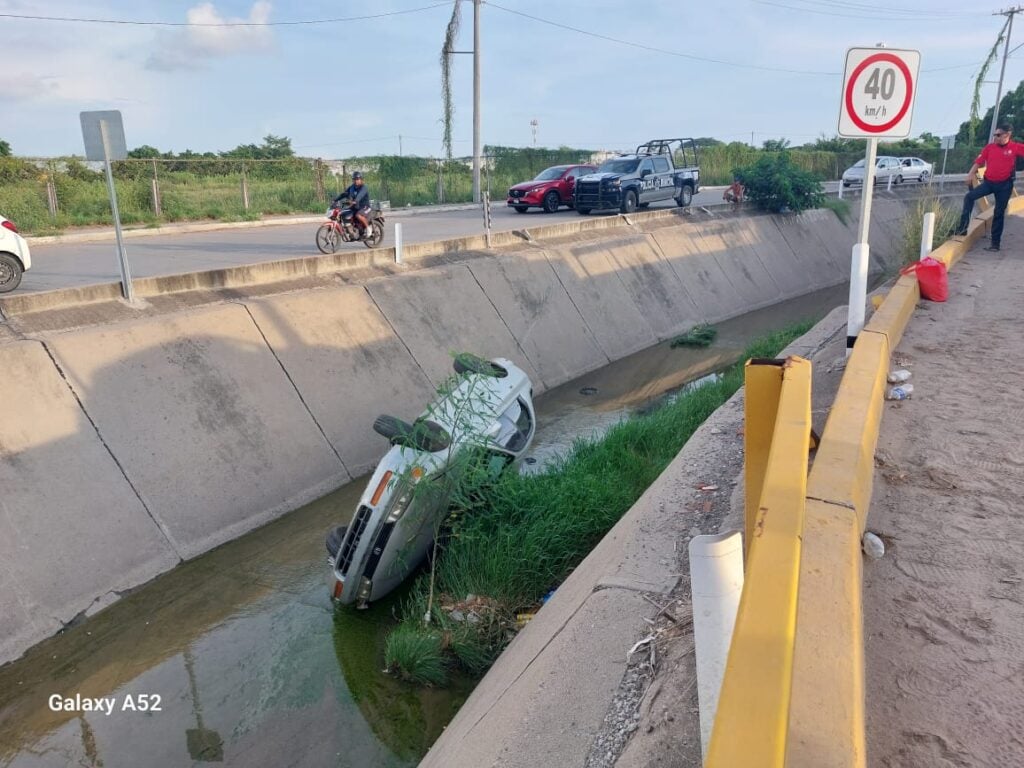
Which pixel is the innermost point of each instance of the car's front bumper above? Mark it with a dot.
(606, 198)
(24, 252)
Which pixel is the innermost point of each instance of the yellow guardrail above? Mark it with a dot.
(753, 712)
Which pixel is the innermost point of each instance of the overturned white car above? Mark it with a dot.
(487, 409)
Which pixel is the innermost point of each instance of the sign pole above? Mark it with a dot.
(126, 277)
(861, 252)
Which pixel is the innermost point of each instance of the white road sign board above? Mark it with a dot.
(879, 88)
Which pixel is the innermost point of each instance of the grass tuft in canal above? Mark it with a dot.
(505, 546)
(698, 336)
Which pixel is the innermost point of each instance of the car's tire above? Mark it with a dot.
(644, 206)
(469, 363)
(522, 208)
(582, 211)
(551, 202)
(898, 179)
(334, 540)
(10, 272)
(423, 435)
(685, 196)
(846, 183)
(327, 238)
(923, 178)
(628, 202)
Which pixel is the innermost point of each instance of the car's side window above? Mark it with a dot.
(661, 165)
(646, 165)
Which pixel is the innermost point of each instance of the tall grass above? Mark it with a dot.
(526, 533)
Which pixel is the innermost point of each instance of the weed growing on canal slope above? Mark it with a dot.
(526, 533)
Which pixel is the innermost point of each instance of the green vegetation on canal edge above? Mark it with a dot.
(508, 547)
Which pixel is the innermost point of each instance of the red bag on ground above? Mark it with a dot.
(931, 278)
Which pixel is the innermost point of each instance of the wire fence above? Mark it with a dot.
(49, 195)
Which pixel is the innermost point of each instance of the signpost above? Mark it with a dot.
(879, 88)
(103, 134)
(948, 142)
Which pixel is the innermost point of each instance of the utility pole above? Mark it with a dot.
(476, 101)
(1006, 52)
(399, 145)
(533, 125)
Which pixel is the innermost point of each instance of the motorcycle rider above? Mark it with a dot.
(359, 202)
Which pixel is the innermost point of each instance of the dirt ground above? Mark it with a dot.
(944, 608)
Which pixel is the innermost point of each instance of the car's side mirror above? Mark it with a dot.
(645, 173)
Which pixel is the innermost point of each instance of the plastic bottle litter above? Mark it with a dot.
(902, 392)
(873, 546)
(900, 376)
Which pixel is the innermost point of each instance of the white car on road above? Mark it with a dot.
(14, 256)
(916, 168)
(886, 167)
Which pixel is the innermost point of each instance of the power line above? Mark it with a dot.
(867, 17)
(891, 13)
(82, 20)
(658, 50)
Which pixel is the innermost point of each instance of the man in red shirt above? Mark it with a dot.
(999, 159)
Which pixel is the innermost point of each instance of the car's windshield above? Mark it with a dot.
(551, 173)
(617, 165)
(859, 164)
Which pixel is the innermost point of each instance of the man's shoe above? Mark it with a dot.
(992, 247)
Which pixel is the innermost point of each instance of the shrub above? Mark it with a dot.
(775, 184)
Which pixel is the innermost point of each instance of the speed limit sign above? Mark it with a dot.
(879, 88)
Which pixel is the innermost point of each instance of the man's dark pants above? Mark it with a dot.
(1001, 190)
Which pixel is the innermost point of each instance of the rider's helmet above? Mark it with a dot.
(357, 176)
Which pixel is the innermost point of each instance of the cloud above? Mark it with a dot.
(23, 86)
(192, 47)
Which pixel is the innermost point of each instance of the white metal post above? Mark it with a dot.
(927, 233)
(942, 178)
(126, 277)
(398, 242)
(888, 187)
(840, 189)
(861, 253)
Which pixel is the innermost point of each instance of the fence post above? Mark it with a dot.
(318, 172)
(927, 233)
(398, 242)
(51, 195)
(157, 207)
(245, 189)
(440, 182)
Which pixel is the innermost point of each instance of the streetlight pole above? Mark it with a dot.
(1006, 51)
(476, 101)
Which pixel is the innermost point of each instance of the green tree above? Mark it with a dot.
(5, 148)
(145, 152)
(775, 184)
(775, 145)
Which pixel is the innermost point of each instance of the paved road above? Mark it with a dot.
(69, 264)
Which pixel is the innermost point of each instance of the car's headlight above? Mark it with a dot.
(536, 189)
(615, 183)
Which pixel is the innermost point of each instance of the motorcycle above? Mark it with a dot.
(341, 228)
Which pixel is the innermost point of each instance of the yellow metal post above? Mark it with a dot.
(762, 382)
(753, 710)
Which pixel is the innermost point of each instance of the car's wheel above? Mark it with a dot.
(923, 178)
(423, 435)
(10, 273)
(522, 208)
(629, 202)
(898, 179)
(644, 206)
(551, 202)
(846, 183)
(685, 196)
(468, 363)
(327, 238)
(582, 211)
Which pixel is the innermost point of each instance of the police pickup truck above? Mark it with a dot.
(658, 170)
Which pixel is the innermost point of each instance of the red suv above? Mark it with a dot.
(549, 190)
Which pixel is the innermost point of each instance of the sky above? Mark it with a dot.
(748, 70)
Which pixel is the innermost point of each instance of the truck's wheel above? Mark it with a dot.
(582, 211)
(629, 202)
(644, 205)
(521, 208)
(685, 196)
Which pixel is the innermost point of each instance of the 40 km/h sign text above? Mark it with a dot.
(879, 87)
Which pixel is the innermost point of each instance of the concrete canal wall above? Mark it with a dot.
(134, 438)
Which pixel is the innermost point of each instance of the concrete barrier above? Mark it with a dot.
(203, 419)
(73, 530)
